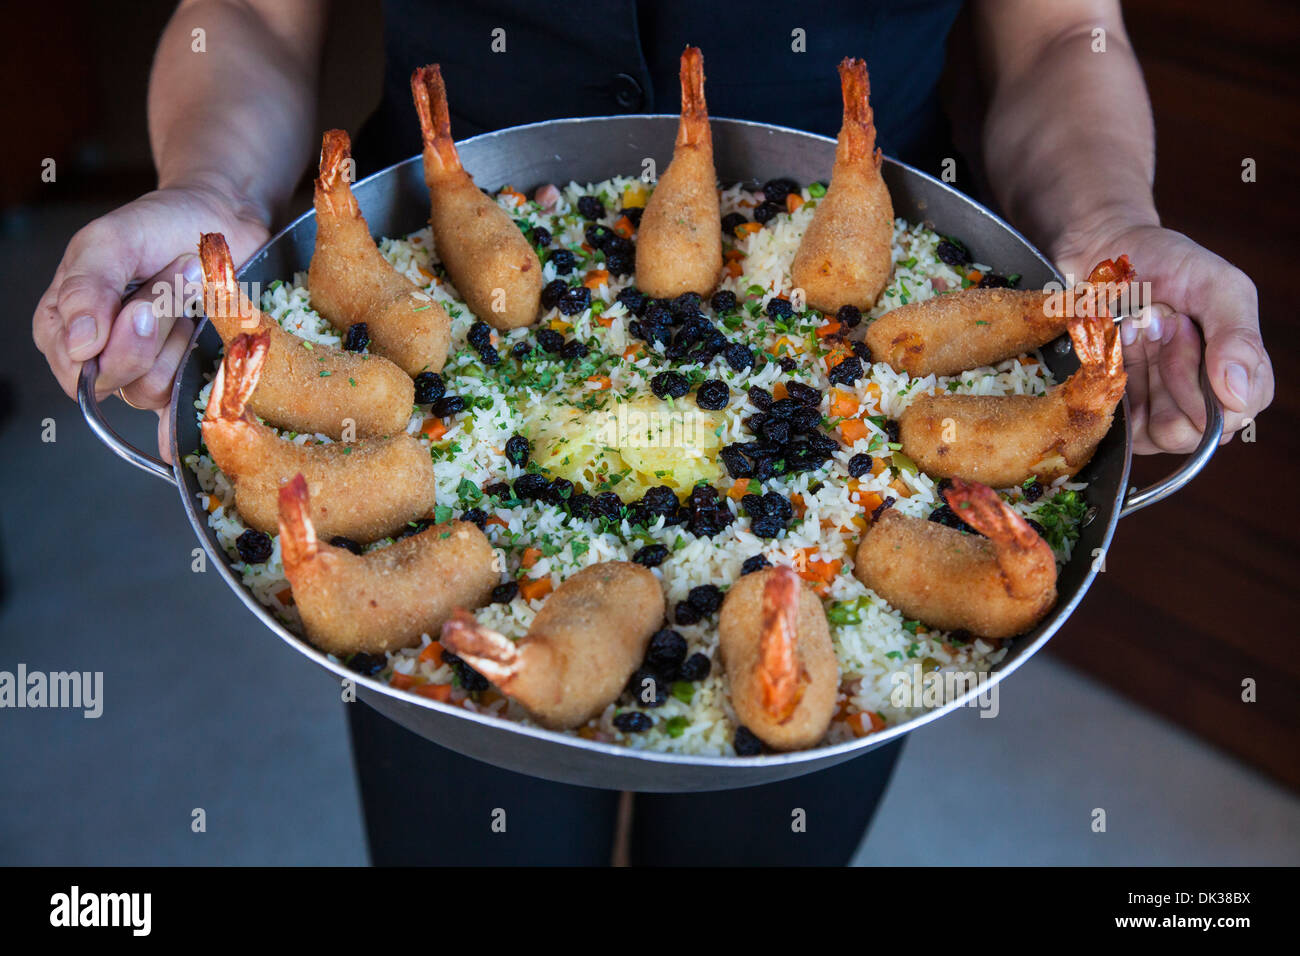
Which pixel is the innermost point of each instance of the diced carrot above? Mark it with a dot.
(864, 722)
(531, 557)
(843, 404)
(440, 692)
(434, 429)
(432, 652)
(623, 226)
(588, 733)
(874, 390)
(748, 229)
(837, 355)
(793, 201)
(852, 429)
(870, 502)
(284, 596)
(601, 380)
(534, 589)
(902, 489)
(631, 352)
(830, 328)
(797, 502)
(974, 276)
(877, 466)
(596, 278)
(518, 197)
(424, 272)
(213, 503)
(497, 519)
(733, 269)
(733, 255)
(604, 320)
(1027, 360)
(779, 391)
(402, 681)
(586, 248)
(784, 346)
(489, 697)
(738, 490)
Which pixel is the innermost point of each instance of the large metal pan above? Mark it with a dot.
(395, 202)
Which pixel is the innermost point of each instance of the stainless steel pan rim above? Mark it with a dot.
(570, 758)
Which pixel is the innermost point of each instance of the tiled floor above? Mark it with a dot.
(203, 709)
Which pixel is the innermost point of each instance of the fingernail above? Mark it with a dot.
(144, 321)
(193, 270)
(1238, 383)
(1128, 332)
(1154, 326)
(81, 333)
(1174, 323)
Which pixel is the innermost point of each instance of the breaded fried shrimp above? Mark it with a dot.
(384, 599)
(351, 281)
(776, 647)
(844, 257)
(962, 330)
(305, 386)
(490, 262)
(584, 644)
(995, 586)
(363, 490)
(679, 242)
(1003, 440)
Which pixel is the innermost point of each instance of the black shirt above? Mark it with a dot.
(621, 56)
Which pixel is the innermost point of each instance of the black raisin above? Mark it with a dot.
(670, 385)
(648, 688)
(651, 556)
(358, 337)
(767, 526)
(530, 486)
(849, 316)
(580, 505)
(713, 395)
(847, 372)
(367, 665)
(805, 419)
(756, 562)
(765, 211)
(633, 722)
(734, 460)
(470, 679)
(429, 388)
(475, 516)
(695, 668)
(779, 308)
(775, 430)
(556, 288)
(991, 280)
(759, 398)
(448, 405)
(541, 236)
(753, 505)
(633, 214)
(859, 465)
(633, 299)
(504, 593)
(346, 544)
(746, 744)
(575, 301)
(573, 350)
(739, 357)
(665, 652)
(775, 190)
(517, 450)
(254, 547)
(550, 340)
(731, 221)
(685, 614)
(883, 506)
(520, 350)
(953, 252)
(724, 300)
(705, 598)
(590, 207)
(479, 335)
(787, 364)
(558, 491)
(863, 351)
(607, 505)
(1033, 491)
(804, 394)
(892, 430)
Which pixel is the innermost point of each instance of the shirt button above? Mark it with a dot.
(627, 92)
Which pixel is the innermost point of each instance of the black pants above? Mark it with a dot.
(426, 805)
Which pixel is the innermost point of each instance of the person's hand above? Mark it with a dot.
(139, 341)
(1162, 351)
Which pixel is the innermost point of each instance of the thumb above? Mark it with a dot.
(1238, 367)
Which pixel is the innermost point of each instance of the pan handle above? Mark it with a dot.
(1191, 467)
(104, 432)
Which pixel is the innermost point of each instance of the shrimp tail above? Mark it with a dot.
(298, 542)
(1104, 285)
(1021, 553)
(430, 94)
(237, 378)
(859, 129)
(491, 654)
(332, 186)
(1101, 377)
(694, 127)
(1113, 270)
(780, 675)
(226, 305)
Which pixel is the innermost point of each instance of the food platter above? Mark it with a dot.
(395, 202)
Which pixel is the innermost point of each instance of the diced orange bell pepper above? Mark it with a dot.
(604, 321)
(439, 692)
(747, 229)
(432, 652)
(623, 226)
(779, 391)
(843, 404)
(793, 201)
(830, 328)
(601, 380)
(596, 278)
(402, 681)
(434, 429)
(733, 269)
(531, 557)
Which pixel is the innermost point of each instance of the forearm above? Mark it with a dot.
(1069, 144)
(239, 116)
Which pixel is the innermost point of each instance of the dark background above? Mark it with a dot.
(1199, 591)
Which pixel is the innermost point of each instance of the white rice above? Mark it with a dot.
(870, 650)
